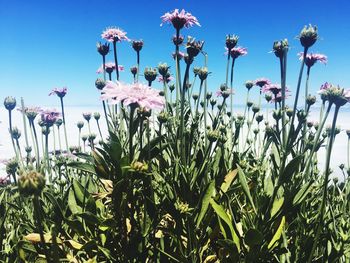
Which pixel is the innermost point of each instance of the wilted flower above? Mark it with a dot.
(311, 58)
(231, 41)
(87, 115)
(136, 93)
(114, 34)
(100, 83)
(279, 47)
(308, 36)
(237, 52)
(137, 45)
(103, 49)
(193, 47)
(59, 92)
(179, 19)
(10, 103)
(49, 117)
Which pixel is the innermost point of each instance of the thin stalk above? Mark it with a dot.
(35, 142)
(283, 62)
(131, 154)
(12, 139)
(47, 153)
(138, 65)
(24, 123)
(59, 138)
(99, 129)
(116, 58)
(227, 67)
(79, 136)
(182, 117)
(64, 125)
(325, 183)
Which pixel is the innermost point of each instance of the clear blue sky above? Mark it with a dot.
(46, 43)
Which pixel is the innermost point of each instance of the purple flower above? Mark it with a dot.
(49, 117)
(238, 51)
(179, 19)
(224, 93)
(262, 82)
(4, 179)
(59, 92)
(167, 80)
(110, 67)
(311, 58)
(272, 87)
(31, 112)
(114, 34)
(136, 93)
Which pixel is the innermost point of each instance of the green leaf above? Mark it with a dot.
(220, 211)
(229, 178)
(291, 168)
(278, 234)
(243, 182)
(302, 193)
(72, 203)
(86, 167)
(277, 204)
(205, 202)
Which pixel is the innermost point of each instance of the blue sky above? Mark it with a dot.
(46, 43)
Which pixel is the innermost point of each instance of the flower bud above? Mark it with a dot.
(289, 112)
(139, 166)
(178, 40)
(308, 36)
(100, 84)
(45, 130)
(309, 124)
(259, 118)
(212, 102)
(268, 97)
(84, 138)
(28, 149)
(209, 95)
(249, 84)
(80, 124)
(213, 135)
(249, 104)
(301, 116)
(231, 41)
(163, 69)
(163, 117)
(310, 100)
(31, 183)
(150, 74)
(137, 45)
(171, 87)
(196, 70)
(133, 70)
(203, 73)
(10, 103)
(277, 114)
(195, 96)
(11, 166)
(255, 108)
(16, 133)
(58, 122)
(193, 47)
(103, 49)
(279, 47)
(87, 116)
(97, 116)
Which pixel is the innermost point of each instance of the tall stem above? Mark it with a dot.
(138, 65)
(64, 125)
(325, 183)
(24, 123)
(131, 134)
(12, 139)
(116, 58)
(227, 67)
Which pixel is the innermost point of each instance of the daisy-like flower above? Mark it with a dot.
(31, 112)
(262, 82)
(49, 117)
(311, 58)
(59, 92)
(179, 19)
(110, 67)
(114, 34)
(224, 93)
(167, 79)
(272, 87)
(133, 94)
(238, 51)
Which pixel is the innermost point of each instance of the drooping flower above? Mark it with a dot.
(114, 34)
(49, 117)
(110, 67)
(238, 51)
(59, 92)
(133, 94)
(311, 58)
(179, 19)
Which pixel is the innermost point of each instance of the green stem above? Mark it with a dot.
(64, 125)
(24, 123)
(131, 154)
(325, 183)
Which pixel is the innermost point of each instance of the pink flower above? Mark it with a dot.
(110, 67)
(278, 97)
(180, 55)
(311, 59)
(4, 179)
(168, 79)
(114, 34)
(224, 93)
(135, 93)
(179, 19)
(272, 87)
(238, 51)
(262, 82)
(59, 92)
(49, 117)
(31, 112)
